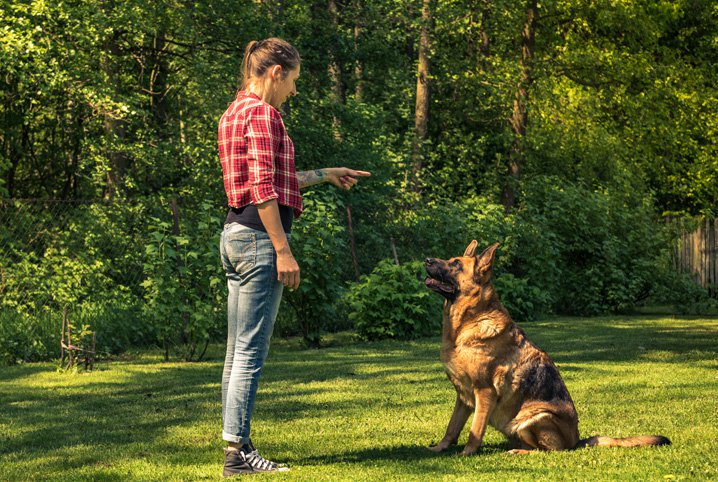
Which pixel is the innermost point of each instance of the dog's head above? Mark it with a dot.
(467, 275)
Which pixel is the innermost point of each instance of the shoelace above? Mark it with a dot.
(258, 462)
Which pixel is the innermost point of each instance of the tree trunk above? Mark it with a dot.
(519, 118)
(158, 79)
(69, 190)
(114, 128)
(484, 49)
(359, 63)
(338, 92)
(335, 67)
(423, 95)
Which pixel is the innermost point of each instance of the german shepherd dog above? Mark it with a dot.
(499, 375)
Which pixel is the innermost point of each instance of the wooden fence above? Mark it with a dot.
(697, 254)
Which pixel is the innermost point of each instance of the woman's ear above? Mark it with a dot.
(276, 72)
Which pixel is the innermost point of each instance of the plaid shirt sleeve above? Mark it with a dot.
(263, 134)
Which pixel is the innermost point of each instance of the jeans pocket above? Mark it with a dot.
(241, 251)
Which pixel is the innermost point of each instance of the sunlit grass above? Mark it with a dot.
(367, 411)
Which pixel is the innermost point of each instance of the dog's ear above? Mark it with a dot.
(471, 248)
(486, 260)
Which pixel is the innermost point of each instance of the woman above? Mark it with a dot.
(262, 188)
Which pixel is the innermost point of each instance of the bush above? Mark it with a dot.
(683, 294)
(119, 324)
(392, 302)
(36, 337)
(184, 299)
(76, 255)
(25, 338)
(319, 245)
(607, 251)
(523, 300)
(443, 229)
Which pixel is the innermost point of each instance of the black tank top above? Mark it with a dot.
(249, 216)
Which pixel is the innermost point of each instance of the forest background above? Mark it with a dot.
(581, 135)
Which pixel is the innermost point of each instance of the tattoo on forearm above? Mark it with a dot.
(310, 178)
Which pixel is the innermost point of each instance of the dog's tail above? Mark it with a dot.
(641, 441)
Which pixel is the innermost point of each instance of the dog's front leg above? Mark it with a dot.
(485, 403)
(457, 422)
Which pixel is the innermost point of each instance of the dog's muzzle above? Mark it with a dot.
(436, 280)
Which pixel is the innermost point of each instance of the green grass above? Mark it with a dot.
(367, 411)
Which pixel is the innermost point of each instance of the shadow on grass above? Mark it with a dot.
(405, 453)
(86, 411)
(625, 339)
(8, 374)
(419, 460)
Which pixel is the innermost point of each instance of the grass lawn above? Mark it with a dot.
(367, 411)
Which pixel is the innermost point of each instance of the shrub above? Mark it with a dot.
(683, 294)
(523, 300)
(392, 302)
(444, 228)
(184, 299)
(524, 262)
(118, 324)
(319, 246)
(36, 337)
(25, 338)
(607, 249)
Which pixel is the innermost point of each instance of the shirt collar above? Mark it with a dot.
(246, 93)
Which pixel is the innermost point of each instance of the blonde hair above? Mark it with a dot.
(263, 54)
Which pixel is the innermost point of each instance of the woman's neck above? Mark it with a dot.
(263, 92)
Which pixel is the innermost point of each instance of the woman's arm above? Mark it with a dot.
(341, 177)
(310, 178)
(287, 267)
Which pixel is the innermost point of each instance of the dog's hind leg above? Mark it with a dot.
(542, 433)
(456, 424)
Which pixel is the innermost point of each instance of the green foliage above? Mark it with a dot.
(75, 255)
(25, 338)
(524, 301)
(319, 245)
(118, 324)
(683, 294)
(120, 100)
(607, 249)
(444, 228)
(183, 282)
(392, 302)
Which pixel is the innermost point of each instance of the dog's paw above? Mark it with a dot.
(468, 451)
(519, 452)
(440, 447)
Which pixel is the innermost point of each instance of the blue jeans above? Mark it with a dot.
(250, 263)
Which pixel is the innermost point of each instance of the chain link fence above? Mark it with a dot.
(57, 252)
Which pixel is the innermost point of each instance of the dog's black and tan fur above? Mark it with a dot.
(499, 375)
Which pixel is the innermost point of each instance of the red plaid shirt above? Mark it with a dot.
(257, 155)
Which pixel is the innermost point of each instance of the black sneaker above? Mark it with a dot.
(247, 460)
